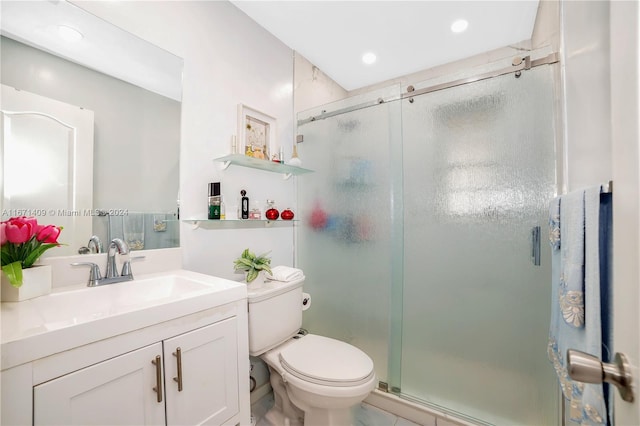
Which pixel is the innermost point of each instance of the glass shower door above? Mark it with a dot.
(479, 171)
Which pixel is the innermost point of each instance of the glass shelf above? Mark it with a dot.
(255, 163)
(237, 223)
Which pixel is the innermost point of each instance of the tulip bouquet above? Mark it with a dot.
(23, 241)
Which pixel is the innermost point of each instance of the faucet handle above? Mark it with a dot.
(94, 273)
(126, 267)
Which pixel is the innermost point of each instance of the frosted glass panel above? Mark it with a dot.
(345, 239)
(478, 175)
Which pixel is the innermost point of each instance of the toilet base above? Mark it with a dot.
(300, 402)
(322, 417)
(336, 413)
(283, 412)
(275, 417)
(290, 411)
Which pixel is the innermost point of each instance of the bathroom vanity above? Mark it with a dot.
(167, 348)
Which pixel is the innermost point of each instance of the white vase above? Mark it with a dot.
(257, 283)
(36, 281)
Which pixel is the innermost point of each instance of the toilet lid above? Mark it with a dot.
(326, 361)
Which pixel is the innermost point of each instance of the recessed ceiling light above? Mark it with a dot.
(459, 26)
(369, 58)
(69, 34)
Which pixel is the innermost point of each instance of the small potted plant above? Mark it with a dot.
(22, 242)
(254, 266)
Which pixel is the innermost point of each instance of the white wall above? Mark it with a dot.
(312, 87)
(228, 59)
(585, 61)
(625, 110)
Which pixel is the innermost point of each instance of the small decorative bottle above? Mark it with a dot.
(255, 212)
(244, 205)
(214, 201)
(287, 214)
(295, 161)
(234, 147)
(271, 212)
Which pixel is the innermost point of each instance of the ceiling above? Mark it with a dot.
(406, 36)
(36, 23)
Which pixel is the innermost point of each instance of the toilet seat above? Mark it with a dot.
(325, 361)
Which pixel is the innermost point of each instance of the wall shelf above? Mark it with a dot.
(255, 163)
(237, 223)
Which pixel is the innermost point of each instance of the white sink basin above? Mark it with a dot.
(88, 303)
(76, 315)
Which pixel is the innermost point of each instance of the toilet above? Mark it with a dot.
(315, 379)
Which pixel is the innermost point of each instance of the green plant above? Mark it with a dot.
(252, 264)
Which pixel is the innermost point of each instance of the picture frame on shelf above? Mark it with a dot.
(256, 133)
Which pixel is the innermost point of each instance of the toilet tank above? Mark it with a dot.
(275, 314)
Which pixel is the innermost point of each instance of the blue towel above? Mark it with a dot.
(576, 316)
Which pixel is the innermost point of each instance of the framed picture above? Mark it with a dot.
(256, 133)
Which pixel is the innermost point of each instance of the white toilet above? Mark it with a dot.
(316, 380)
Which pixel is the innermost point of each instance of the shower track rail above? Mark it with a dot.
(524, 63)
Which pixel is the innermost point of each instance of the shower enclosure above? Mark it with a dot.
(421, 244)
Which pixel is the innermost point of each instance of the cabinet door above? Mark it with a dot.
(114, 392)
(209, 374)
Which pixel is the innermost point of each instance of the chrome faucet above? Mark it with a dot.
(94, 245)
(115, 245)
(95, 277)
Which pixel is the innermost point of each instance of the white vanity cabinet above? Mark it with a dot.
(100, 367)
(196, 373)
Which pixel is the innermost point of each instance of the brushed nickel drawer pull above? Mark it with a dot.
(158, 388)
(178, 355)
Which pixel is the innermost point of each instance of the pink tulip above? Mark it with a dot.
(3, 233)
(18, 231)
(48, 234)
(30, 220)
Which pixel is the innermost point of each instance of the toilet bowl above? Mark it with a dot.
(316, 380)
(322, 377)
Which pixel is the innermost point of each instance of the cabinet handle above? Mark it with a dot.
(158, 388)
(178, 355)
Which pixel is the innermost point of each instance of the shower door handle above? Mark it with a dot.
(535, 245)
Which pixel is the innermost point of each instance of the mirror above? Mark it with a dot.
(61, 55)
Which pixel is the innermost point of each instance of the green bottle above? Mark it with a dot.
(214, 201)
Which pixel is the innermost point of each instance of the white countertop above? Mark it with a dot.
(76, 315)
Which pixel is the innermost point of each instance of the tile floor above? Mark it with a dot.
(363, 415)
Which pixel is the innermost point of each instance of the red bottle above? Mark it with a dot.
(286, 214)
(272, 212)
